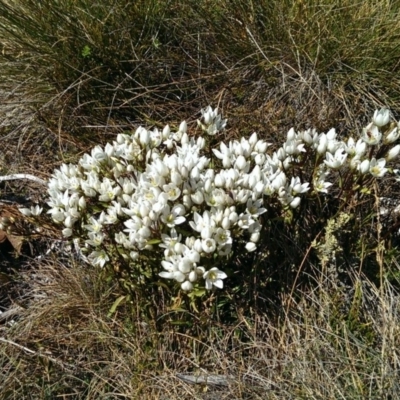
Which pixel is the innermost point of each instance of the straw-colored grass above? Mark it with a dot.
(334, 343)
(74, 73)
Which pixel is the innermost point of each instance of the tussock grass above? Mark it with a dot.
(74, 73)
(333, 342)
(314, 62)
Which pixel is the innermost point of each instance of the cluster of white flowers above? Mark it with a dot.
(170, 195)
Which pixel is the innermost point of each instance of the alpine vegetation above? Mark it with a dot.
(173, 205)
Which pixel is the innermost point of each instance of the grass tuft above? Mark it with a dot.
(75, 73)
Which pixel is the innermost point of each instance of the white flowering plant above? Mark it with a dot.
(172, 205)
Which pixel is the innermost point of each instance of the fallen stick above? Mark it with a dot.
(23, 176)
(29, 351)
(10, 313)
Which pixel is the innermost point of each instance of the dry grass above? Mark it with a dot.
(335, 342)
(73, 74)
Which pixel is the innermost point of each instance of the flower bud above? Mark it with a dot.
(364, 167)
(144, 137)
(393, 152)
(255, 237)
(186, 286)
(183, 127)
(253, 140)
(69, 222)
(82, 202)
(250, 246)
(291, 135)
(240, 163)
(201, 142)
(295, 202)
(219, 180)
(67, 232)
(225, 223)
(198, 246)
(259, 159)
(261, 147)
(184, 172)
(185, 139)
(166, 132)
(25, 211)
(381, 117)
(197, 197)
(392, 136)
(184, 266)
(179, 248)
(193, 276)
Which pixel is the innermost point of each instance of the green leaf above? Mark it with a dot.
(182, 323)
(115, 305)
(197, 292)
(154, 241)
(366, 190)
(86, 51)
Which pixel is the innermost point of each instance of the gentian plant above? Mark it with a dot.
(172, 204)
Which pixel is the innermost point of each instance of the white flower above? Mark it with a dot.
(94, 225)
(255, 237)
(25, 211)
(261, 147)
(69, 221)
(377, 167)
(144, 136)
(172, 217)
(320, 185)
(207, 232)
(176, 275)
(299, 187)
(293, 147)
(255, 208)
(107, 191)
(168, 242)
(176, 178)
(214, 277)
(213, 122)
(337, 160)
(99, 258)
(392, 136)
(201, 222)
(95, 239)
(322, 144)
(166, 133)
(172, 191)
(291, 135)
(381, 117)
(208, 245)
(371, 134)
(307, 136)
(356, 149)
(185, 265)
(56, 214)
(193, 276)
(222, 236)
